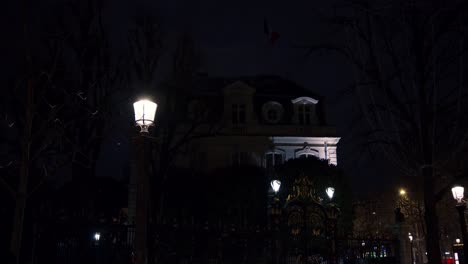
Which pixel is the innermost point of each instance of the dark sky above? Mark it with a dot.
(230, 36)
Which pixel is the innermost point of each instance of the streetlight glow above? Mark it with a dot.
(145, 111)
(275, 185)
(97, 236)
(457, 192)
(402, 192)
(410, 237)
(457, 241)
(330, 192)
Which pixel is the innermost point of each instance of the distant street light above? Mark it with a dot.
(402, 192)
(97, 236)
(145, 111)
(330, 192)
(275, 185)
(458, 195)
(410, 237)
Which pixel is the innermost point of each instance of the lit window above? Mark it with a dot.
(238, 113)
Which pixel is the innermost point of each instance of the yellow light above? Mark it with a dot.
(402, 192)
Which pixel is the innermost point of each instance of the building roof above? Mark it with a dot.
(267, 87)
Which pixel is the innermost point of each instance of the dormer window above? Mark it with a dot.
(272, 112)
(304, 114)
(304, 110)
(238, 114)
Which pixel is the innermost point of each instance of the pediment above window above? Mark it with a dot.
(304, 100)
(307, 151)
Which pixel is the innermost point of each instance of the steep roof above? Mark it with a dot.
(264, 84)
(268, 88)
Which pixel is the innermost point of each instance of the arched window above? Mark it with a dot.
(306, 152)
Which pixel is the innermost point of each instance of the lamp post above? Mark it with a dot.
(332, 213)
(456, 251)
(410, 237)
(458, 194)
(276, 214)
(145, 112)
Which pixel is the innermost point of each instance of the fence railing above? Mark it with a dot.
(68, 244)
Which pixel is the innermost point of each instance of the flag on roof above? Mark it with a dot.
(272, 36)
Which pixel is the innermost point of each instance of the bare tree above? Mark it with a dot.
(53, 121)
(91, 79)
(408, 65)
(32, 134)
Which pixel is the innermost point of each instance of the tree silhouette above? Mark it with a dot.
(408, 65)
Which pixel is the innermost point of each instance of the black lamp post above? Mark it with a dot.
(145, 111)
(458, 194)
(276, 214)
(332, 215)
(410, 237)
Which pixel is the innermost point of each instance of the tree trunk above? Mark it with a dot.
(18, 221)
(141, 217)
(22, 192)
(430, 217)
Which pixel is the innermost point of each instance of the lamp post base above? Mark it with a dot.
(461, 214)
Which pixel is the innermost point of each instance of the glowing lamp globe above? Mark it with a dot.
(410, 236)
(330, 192)
(275, 185)
(457, 241)
(457, 192)
(97, 236)
(145, 111)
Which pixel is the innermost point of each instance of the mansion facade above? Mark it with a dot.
(262, 121)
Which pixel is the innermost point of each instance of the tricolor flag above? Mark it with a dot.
(272, 36)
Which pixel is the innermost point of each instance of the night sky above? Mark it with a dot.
(231, 39)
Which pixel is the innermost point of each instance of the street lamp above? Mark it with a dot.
(410, 237)
(97, 236)
(330, 192)
(145, 111)
(402, 192)
(458, 195)
(332, 214)
(275, 185)
(275, 218)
